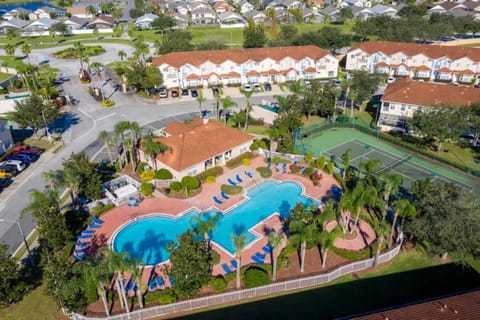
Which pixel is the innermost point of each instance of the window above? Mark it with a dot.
(403, 108)
(192, 171)
(243, 149)
(330, 73)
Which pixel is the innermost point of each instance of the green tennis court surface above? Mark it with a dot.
(364, 147)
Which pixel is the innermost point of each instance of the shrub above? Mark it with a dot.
(231, 190)
(320, 162)
(147, 175)
(91, 294)
(101, 208)
(146, 189)
(366, 253)
(163, 174)
(256, 277)
(264, 172)
(235, 162)
(218, 284)
(176, 186)
(167, 296)
(258, 144)
(211, 180)
(308, 171)
(191, 183)
(214, 257)
(108, 103)
(215, 171)
(340, 180)
(141, 167)
(246, 161)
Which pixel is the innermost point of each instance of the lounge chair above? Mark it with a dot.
(224, 195)
(259, 255)
(284, 168)
(249, 174)
(257, 260)
(92, 225)
(234, 264)
(88, 236)
(88, 231)
(238, 178)
(151, 285)
(267, 249)
(269, 164)
(277, 167)
(218, 201)
(231, 182)
(80, 251)
(82, 244)
(81, 257)
(226, 268)
(128, 286)
(160, 282)
(97, 220)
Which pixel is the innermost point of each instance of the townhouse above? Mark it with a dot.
(403, 98)
(235, 67)
(417, 61)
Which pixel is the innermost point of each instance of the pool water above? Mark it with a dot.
(26, 5)
(147, 237)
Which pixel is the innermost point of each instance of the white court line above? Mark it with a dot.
(107, 116)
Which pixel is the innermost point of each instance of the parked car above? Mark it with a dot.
(215, 91)
(336, 82)
(5, 174)
(9, 168)
(163, 93)
(184, 92)
(25, 157)
(257, 87)
(25, 148)
(391, 80)
(267, 86)
(174, 93)
(5, 182)
(247, 87)
(18, 165)
(194, 92)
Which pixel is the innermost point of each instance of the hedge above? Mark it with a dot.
(215, 171)
(141, 167)
(176, 186)
(231, 190)
(146, 189)
(211, 180)
(218, 284)
(147, 175)
(256, 277)
(235, 162)
(264, 172)
(163, 174)
(368, 252)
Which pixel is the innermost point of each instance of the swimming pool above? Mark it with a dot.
(147, 237)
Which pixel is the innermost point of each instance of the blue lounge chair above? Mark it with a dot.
(284, 168)
(81, 257)
(238, 178)
(234, 264)
(226, 268)
(171, 280)
(259, 255)
(88, 236)
(218, 201)
(249, 174)
(88, 231)
(231, 182)
(257, 260)
(277, 167)
(151, 285)
(267, 249)
(224, 195)
(160, 281)
(82, 244)
(128, 286)
(97, 220)
(93, 226)
(269, 164)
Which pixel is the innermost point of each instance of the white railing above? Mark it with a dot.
(245, 294)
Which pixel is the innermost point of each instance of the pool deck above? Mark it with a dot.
(124, 214)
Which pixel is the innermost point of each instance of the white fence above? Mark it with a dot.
(246, 294)
(81, 31)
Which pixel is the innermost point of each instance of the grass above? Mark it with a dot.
(4, 76)
(42, 143)
(412, 276)
(257, 129)
(21, 252)
(35, 306)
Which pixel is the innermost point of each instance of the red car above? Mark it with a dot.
(24, 148)
(174, 93)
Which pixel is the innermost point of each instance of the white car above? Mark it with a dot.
(18, 164)
(257, 87)
(163, 93)
(247, 87)
(391, 80)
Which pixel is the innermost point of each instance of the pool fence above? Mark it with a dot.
(247, 294)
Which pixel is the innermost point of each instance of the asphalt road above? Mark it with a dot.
(82, 125)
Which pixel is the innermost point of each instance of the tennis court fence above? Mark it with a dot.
(246, 294)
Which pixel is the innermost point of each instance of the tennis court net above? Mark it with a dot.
(394, 164)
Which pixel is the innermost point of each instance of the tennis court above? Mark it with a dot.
(364, 147)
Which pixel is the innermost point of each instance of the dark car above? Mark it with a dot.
(9, 169)
(174, 93)
(5, 182)
(25, 148)
(25, 157)
(194, 93)
(215, 91)
(184, 92)
(267, 86)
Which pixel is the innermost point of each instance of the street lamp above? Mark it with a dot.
(17, 222)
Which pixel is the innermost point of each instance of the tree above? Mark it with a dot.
(401, 208)
(239, 242)
(91, 10)
(71, 181)
(174, 42)
(60, 27)
(303, 229)
(79, 50)
(227, 103)
(26, 49)
(204, 226)
(117, 264)
(90, 182)
(151, 148)
(345, 14)
(346, 162)
(439, 125)
(326, 238)
(9, 288)
(390, 185)
(9, 49)
(143, 78)
(253, 35)
(52, 177)
(164, 22)
(284, 127)
(200, 100)
(381, 229)
(104, 136)
(122, 54)
(248, 108)
(364, 84)
(369, 169)
(32, 113)
(275, 240)
(190, 265)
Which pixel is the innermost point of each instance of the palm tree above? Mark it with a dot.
(52, 177)
(97, 65)
(200, 100)
(326, 238)
(227, 103)
(402, 208)
(137, 277)
(352, 96)
(105, 137)
(391, 184)
(119, 130)
(239, 242)
(369, 168)
(129, 145)
(79, 49)
(122, 54)
(9, 49)
(26, 49)
(151, 148)
(381, 229)
(203, 227)
(71, 181)
(346, 161)
(275, 240)
(248, 95)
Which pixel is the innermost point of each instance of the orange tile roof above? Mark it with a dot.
(421, 68)
(196, 58)
(412, 49)
(466, 71)
(193, 76)
(271, 71)
(444, 69)
(77, 10)
(382, 64)
(196, 142)
(309, 69)
(208, 75)
(428, 94)
(232, 74)
(288, 70)
(253, 73)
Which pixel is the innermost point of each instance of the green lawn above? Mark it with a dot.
(4, 76)
(35, 306)
(410, 277)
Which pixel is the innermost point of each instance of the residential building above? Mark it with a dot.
(19, 13)
(311, 15)
(46, 12)
(203, 15)
(246, 6)
(258, 17)
(75, 23)
(102, 22)
(181, 20)
(403, 98)
(178, 6)
(145, 22)
(40, 25)
(13, 24)
(231, 17)
(331, 14)
(417, 61)
(221, 7)
(6, 140)
(80, 12)
(233, 67)
(198, 146)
